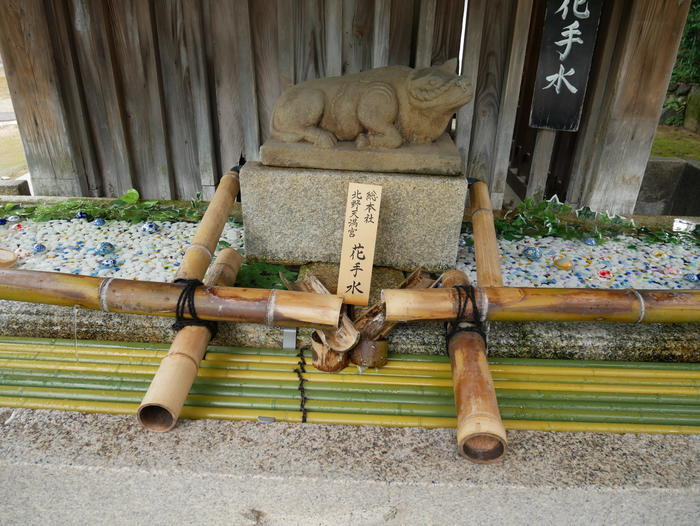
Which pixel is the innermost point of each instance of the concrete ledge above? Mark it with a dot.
(72, 468)
(671, 186)
(581, 341)
(14, 187)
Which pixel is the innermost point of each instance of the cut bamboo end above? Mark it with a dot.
(7, 258)
(156, 417)
(482, 439)
(369, 353)
(324, 358)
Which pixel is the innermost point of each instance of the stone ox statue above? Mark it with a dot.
(380, 108)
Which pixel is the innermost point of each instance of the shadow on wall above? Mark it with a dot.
(671, 186)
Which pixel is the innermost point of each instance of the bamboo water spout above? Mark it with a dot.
(535, 304)
(271, 307)
(481, 436)
(162, 404)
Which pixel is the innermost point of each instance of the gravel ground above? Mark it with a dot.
(153, 251)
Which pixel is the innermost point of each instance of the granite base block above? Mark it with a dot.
(296, 215)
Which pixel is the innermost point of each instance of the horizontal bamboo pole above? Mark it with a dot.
(366, 403)
(340, 418)
(412, 360)
(272, 307)
(535, 304)
(368, 393)
(364, 379)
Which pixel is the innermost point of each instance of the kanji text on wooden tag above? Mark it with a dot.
(359, 238)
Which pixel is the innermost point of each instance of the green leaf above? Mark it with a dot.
(131, 196)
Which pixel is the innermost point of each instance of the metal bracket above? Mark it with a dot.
(289, 338)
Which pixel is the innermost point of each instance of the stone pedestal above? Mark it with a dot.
(295, 215)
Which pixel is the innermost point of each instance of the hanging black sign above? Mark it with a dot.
(566, 53)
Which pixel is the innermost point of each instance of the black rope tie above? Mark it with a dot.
(186, 301)
(300, 370)
(465, 296)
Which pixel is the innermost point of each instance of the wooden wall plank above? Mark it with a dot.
(34, 84)
(401, 32)
(73, 96)
(425, 32)
(310, 61)
(237, 130)
(489, 87)
(287, 20)
(541, 160)
(447, 30)
(508, 106)
(134, 54)
(263, 19)
(103, 102)
(357, 35)
(333, 31)
(586, 146)
(186, 99)
(630, 113)
(470, 70)
(380, 35)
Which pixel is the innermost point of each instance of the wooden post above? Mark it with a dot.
(641, 66)
(426, 28)
(541, 160)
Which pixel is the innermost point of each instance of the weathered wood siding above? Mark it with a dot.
(164, 95)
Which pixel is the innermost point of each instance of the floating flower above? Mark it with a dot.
(39, 248)
(22, 253)
(18, 226)
(99, 221)
(3, 221)
(691, 277)
(81, 215)
(605, 274)
(590, 241)
(13, 219)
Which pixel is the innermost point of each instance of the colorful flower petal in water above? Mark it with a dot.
(605, 274)
(98, 221)
(39, 248)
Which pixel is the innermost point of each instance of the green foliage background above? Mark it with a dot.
(687, 67)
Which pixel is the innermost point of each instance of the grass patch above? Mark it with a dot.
(676, 142)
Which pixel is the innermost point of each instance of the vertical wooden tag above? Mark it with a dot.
(359, 238)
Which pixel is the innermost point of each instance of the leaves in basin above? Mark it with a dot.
(261, 275)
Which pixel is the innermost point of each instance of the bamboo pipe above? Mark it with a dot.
(161, 406)
(201, 250)
(481, 436)
(373, 350)
(272, 307)
(488, 270)
(329, 348)
(535, 304)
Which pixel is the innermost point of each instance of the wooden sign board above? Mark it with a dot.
(359, 238)
(566, 53)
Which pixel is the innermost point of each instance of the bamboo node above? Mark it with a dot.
(270, 313)
(102, 294)
(642, 306)
(201, 247)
